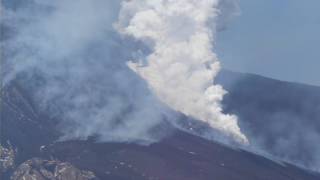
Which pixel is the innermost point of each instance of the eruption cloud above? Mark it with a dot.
(181, 67)
(70, 57)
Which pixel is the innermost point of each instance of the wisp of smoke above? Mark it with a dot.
(181, 69)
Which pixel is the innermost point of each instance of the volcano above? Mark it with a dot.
(30, 151)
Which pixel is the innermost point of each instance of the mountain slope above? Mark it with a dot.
(279, 117)
(180, 155)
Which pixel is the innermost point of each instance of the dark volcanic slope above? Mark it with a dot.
(179, 157)
(280, 117)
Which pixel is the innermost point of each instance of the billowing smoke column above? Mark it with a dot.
(181, 68)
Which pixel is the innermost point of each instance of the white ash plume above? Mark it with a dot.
(182, 66)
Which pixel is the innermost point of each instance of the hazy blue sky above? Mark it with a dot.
(274, 38)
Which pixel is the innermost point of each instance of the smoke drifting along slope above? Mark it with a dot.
(182, 67)
(67, 53)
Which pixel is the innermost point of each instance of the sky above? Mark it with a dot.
(277, 39)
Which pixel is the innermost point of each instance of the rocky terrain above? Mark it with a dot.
(7, 159)
(40, 169)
